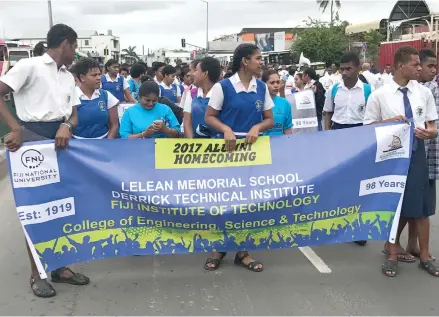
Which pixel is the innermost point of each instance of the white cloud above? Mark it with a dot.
(161, 23)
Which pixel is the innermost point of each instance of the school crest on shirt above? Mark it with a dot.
(361, 108)
(69, 97)
(174, 92)
(259, 104)
(118, 87)
(101, 105)
(419, 111)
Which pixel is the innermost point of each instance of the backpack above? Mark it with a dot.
(367, 91)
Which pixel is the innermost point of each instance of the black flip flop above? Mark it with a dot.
(75, 279)
(251, 266)
(41, 288)
(215, 262)
(429, 267)
(361, 243)
(390, 266)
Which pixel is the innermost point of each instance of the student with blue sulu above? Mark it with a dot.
(113, 82)
(240, 107)
(283, 119)
(97, 113)
(149, 118)
(207, 74)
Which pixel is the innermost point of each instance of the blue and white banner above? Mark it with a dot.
(107, 198)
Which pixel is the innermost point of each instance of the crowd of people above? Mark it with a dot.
(58, 99)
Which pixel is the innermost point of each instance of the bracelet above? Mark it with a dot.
(68, 125)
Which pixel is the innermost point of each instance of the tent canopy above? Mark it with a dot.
(411, 9)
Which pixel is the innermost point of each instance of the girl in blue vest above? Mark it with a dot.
(240, 107)
(168, 88)
(97, 113)
(283, 119)
(207, 74)
(137, 72)
(148, 118)
(113, 82)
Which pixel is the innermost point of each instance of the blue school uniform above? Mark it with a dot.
(116, 87)
(198, 112)
(241, 111)
(283, 118)
(93, 118)
(171, 94)
(134, 88)
(136, 119)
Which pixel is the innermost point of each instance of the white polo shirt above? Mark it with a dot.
(217, 97)
(125, 81)
(111, 102)
(349, 104)
(42, 92)
(170, 87)
(387, 102)
(187, 107)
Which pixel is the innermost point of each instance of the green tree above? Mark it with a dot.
(373, 39)
(321, 42)
(323, 5)
(130, 54)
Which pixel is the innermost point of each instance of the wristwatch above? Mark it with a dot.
(68, 125)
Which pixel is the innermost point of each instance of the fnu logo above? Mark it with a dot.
(32, 158)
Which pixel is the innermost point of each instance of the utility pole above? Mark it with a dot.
(49, 5)
(207, 25)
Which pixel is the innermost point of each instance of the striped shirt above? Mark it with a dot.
(432, 146)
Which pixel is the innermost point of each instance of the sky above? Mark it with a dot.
(162, 24)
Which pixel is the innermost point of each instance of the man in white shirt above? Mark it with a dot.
(45, 99)
(325, 80)
(283, 73)
(371, 78)
(345, 102)
(335, 76)
(406, 100)
(387, 77)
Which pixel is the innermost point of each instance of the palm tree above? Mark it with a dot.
(130, 54)
(323, 5)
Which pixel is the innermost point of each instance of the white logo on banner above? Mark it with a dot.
(34, 165)
(392, 142)
(305, 99)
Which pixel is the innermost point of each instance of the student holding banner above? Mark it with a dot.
(428, 61)
(283, 119)
(45, 98)
(113, 82)
(148, 118)
(406, 100)
(240, 107)
(207, 74)
(97, 113)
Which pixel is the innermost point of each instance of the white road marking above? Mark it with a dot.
(315, 260)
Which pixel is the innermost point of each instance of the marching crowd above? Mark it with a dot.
(58, 99)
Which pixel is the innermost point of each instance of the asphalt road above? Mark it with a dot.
(178, 285)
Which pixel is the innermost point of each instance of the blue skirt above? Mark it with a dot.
(417, 201)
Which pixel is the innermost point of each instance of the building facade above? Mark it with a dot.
(97, 45)
(172, 57)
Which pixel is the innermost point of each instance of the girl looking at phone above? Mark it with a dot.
(148, 118)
